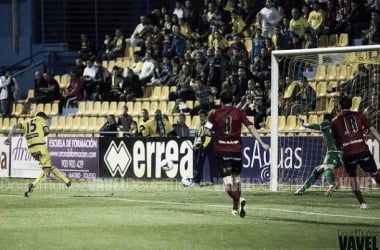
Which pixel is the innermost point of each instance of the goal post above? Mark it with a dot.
(285, 61)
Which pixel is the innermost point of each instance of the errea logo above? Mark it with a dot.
(117, 158)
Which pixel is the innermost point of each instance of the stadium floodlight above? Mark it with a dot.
(302, 62)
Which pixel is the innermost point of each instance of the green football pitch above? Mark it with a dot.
(120, 214)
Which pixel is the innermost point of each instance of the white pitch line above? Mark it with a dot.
(199, 204)
(216, 205)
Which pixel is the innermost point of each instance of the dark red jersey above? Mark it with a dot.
(227, 122)
(348, 130)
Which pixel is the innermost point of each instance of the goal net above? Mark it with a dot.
(331, 72)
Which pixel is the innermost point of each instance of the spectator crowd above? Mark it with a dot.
(220, 45)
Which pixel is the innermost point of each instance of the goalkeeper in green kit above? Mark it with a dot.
(333, 157)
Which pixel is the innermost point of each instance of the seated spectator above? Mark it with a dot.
(79, 66)
(373, 36)
(124, 121)
(74, 92)
(133, 130)
(53, 91)
(89, 75)
(147, 69)
(181, 129)
(117, 46)
(158, 127)
(137, 63)
(117, 85)
(140, 34)
(184, 91)
(84, 49)
(106, 47)
(145, 119)
(109, 129)
(305, 100)
(310, 41)
(102, 82)
(40, 84)
(132, 87)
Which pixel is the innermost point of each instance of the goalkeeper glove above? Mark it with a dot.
(303, 123)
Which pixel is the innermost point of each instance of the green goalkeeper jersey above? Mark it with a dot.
(325, 128)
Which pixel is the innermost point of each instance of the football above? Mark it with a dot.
(167, 164)
(186, 181)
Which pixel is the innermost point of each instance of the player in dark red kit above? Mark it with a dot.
(226, 123)
(349, 129)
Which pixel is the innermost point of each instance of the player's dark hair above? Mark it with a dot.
(328, 117)
(202, 112)
(345, 102)
(42, 114)
(226, 97)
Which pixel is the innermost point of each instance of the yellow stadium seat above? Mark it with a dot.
(313, 119)
(5, 124)
(248, 44)
(298, 122)
(54, 123)
(331, 73)
(267, 123)
(100, 122)
(65, 81)
(323, 41)
(164, 93)
(110, 65)
(89, 107)
(17, 110)
(351, 70)
(136, 110)
(145, 105)
(81, 109)
(61, 123)
(104, 109)
(195, 122)
(170, 106)
(281, 122)
(342, 72)
(57, 78)
(343, 40)
(355, 103)
(40, 108)
(190, 104)
(68, 123)
(92, 124)
(163, 106)
(154, 106)
(333, 40)
(333, 91)
(321, 89)
(76, 123)
(47, 108)
(96, 110)
(321, 73)
(112, 108)
(84, 123)
(54, 108)
(291, 122)
(156, 94)
(120, 106)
